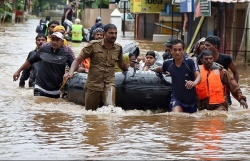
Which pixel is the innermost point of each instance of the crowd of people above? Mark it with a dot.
(47, 63)
(200, 80)
(207, 86)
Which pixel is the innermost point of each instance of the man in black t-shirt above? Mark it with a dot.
(53, 58)
(213, 43)
(31, 72)
(69, 10)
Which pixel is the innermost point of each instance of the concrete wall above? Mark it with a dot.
(89, 15)
(146, 26)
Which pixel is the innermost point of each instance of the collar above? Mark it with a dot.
(56, 49)
(102, 42)
(216, 66)
(183, 61)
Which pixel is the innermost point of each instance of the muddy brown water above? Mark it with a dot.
(43, 128)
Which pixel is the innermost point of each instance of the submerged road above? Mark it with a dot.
(43, 128)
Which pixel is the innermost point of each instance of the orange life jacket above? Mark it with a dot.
(86, 63)
(210, 86)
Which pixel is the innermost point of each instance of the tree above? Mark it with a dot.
(100, 3)
(5, 11)
(46, 4)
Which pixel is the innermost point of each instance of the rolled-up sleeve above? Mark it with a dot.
(86, 51)
(34, 58)
(231, 85)
(121, 57)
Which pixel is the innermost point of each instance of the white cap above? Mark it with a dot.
(58, 35)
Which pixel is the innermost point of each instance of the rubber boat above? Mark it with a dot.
(140, 90)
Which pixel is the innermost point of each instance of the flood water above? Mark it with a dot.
(43, 128)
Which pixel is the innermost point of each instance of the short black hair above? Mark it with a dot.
(177, 41)
(47, 18)
(152, 53)
(41, 35)
(40, 21)
(53, 22)
(130, 55)
(215, 40)
(137, 52)
(169, 42)
(206, 53)
(109, 26)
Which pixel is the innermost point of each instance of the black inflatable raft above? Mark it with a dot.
(141, 90)
(134, 90)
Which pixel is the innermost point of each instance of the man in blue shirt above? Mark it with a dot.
(185, 76)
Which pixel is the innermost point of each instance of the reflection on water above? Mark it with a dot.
(43, 128)
(209, 138)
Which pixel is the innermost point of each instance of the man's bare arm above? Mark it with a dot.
(232, 67)
(17, 73)
(197, 77)
(157, 69)
(66, 14)
(122, 65)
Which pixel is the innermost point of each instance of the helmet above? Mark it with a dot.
(98, 19)
(77, 21)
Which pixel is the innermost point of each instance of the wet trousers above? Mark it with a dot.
(93, 98)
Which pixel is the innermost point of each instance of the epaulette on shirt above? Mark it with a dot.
(117, 44)
(95, 41)
(92, 42)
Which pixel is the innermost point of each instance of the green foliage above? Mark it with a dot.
(105, 2)
(94, 5)
(5, 11)
(35, 3)
(19, 5)
(97, 3)
(8, 6)
(46, 6)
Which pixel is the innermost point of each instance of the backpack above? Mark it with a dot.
(43, 26)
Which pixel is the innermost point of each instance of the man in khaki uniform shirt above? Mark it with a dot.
(101, 78)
